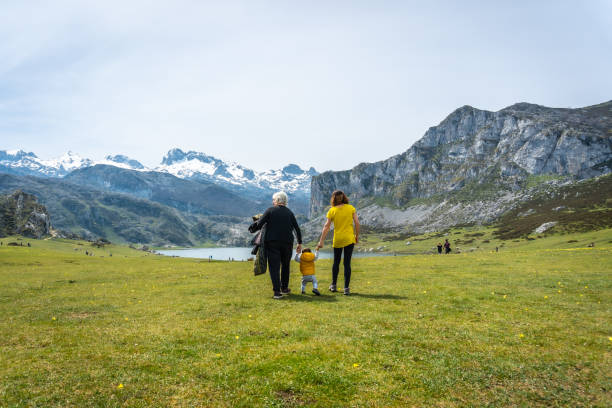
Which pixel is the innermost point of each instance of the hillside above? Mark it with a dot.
(476, 165)
(192, 197)
(92, 213)
(20, 213)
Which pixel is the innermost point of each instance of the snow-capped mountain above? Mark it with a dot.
(189, 165)
(124, 162)
(27, 163)
(196, 165)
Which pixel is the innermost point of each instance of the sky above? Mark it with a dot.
(328, 84)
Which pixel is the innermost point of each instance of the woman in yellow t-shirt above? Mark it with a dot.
(343, 216)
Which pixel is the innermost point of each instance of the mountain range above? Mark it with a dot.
(189, 165)
(475, 167)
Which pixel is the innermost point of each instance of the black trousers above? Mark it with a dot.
(348, 253)
(279, 260)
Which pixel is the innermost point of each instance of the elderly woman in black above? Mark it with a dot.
(280, 224)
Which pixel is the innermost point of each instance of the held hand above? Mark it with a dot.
(356, 239)
(299, 248)
(319, 246)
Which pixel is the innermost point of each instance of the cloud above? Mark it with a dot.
(264, 84)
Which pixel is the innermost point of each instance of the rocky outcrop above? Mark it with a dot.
(482, 155)
(20, 214)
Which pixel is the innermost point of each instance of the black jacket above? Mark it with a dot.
(280, 224)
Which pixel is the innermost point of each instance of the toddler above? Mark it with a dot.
(307, 267)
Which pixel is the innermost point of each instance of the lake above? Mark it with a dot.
(242, 253)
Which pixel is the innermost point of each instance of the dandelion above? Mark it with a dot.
(586, 287)
(558, 283)
(492, 293)
(526, 309)
(237, 337)
(126, 319)
(521, 335)
(559, 291)
(250, 315)
(120, 386)
(355, 365)
(218, 355)
(610, 338)
(505, 296)
(545, 297)
(424, 291)
(53, 318)
(581, 295)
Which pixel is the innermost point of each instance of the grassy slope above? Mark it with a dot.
(527, 326)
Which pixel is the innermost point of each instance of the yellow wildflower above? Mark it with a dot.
(355, 365)
(120, 386)
(237, 337)
(53, 318)
(521, 335)
(545, 297)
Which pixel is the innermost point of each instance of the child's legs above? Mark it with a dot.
(304, 283)
(315, 284)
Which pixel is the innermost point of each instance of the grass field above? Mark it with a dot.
(528, 326)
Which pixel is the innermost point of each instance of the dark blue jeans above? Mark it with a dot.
(348, 253)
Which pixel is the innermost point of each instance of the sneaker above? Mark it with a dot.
(332, 288)
(303, 292)
(277, 295)
(285, 291)
(347, 291)
(316, 292)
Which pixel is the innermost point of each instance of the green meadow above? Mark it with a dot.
(530, 325)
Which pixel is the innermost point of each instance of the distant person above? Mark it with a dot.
(343, 216)
(447, 247)
(439, 247)
(307, 268)
(280, 224)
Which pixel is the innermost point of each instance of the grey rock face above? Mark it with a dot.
(474, 149)
(21, 214)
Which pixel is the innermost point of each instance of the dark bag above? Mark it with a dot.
(260, 265)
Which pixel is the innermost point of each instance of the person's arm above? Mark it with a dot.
(256, 226)
(298, 232)
(324, 233)
(356, 221)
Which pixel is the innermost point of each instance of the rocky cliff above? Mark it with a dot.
(480, 155)
(21, 214)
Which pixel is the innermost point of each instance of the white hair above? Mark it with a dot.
(280, 198)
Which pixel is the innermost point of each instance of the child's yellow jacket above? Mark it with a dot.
(307, 265)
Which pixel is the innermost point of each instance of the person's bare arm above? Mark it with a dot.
(356, 221)
(324, 233)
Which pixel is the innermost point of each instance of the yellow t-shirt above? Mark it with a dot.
(342, 217)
